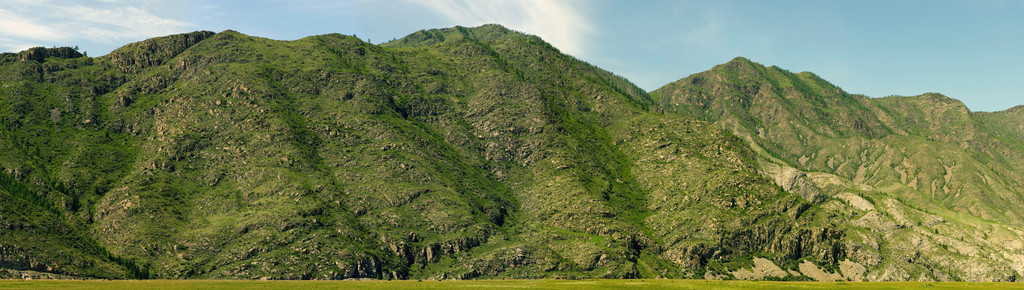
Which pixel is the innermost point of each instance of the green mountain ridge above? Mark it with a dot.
(927, 154)
(788, 107)
(463, 153)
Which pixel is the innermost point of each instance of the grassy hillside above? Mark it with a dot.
(929, 189)
(451, 153)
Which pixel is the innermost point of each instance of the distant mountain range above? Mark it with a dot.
(473, 153)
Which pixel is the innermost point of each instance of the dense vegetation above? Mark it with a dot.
(456, 153)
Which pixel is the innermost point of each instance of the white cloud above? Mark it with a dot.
(561, 23)
(65, 22)
(13, 25)
(118, 23)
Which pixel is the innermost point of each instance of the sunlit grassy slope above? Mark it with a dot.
(452, 153)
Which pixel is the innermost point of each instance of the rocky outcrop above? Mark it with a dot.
(432, 252)
(40, 54)
(763, 268)
(795, 181)
(137, 56)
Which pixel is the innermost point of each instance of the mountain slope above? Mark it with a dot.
(906, 167)
(451, 153)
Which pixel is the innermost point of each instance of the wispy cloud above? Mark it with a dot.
(37, 22)
(561, 23)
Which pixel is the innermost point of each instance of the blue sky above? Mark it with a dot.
(969, 50)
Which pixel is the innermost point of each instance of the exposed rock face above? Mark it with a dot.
(795, 181)
(853, 271)
(135, 57)
(763, 268)
(811, 270)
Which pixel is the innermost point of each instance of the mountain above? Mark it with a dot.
(931, 189)
(451, 153)
(464, 153)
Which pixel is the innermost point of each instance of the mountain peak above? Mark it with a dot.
(432, 36)
(945, 100)
(739, 65)
(936, 97)
(739, 60)
(931, 99)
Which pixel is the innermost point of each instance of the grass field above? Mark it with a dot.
(543, 284)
